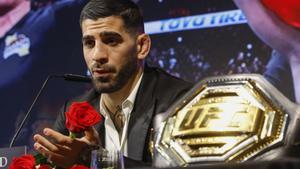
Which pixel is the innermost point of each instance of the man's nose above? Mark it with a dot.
(100, 54)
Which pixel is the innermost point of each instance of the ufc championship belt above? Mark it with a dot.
(224, 119)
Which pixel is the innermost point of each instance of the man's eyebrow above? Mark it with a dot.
(87, 37)
(110, 33)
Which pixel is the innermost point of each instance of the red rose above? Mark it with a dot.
(23, 162)
(45, 167)
(287, 10)
(79, 167)
(81, 116)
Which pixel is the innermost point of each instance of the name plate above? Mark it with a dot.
(7, 154)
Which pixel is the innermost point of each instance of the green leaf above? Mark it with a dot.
(72, 135)
(40, 159)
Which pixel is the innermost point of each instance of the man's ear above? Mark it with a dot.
(143, 46)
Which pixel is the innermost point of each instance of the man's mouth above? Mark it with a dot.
(99, 72)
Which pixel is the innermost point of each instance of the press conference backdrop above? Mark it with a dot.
(191, 39)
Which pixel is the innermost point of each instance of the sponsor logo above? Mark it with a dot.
(16, 44)
(202, 21)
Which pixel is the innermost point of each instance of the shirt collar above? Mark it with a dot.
(128, 103)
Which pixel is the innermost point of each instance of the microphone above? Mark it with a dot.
(77, 78)
(69, 77)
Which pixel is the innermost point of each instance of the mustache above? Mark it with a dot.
(104, 67)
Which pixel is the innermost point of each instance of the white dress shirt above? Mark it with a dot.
(112, 138)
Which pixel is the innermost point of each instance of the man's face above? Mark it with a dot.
(110, 52)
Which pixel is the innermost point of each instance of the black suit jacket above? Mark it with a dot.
(158, 90)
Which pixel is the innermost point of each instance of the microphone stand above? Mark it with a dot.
(69, 77)
(29, 110)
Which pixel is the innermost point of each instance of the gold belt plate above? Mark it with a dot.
(222, 122)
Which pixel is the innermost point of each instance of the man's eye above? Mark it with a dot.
(89, 43)
(111, 42)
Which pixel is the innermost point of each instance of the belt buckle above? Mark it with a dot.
(223, 119)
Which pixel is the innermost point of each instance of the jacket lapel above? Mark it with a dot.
(94, 99)
(141, 116)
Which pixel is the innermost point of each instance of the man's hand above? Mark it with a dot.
(64, 151)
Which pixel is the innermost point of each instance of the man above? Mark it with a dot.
(31, 43)
(115, 47)
(277, 23)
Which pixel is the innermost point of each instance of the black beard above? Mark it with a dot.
(126, 72)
